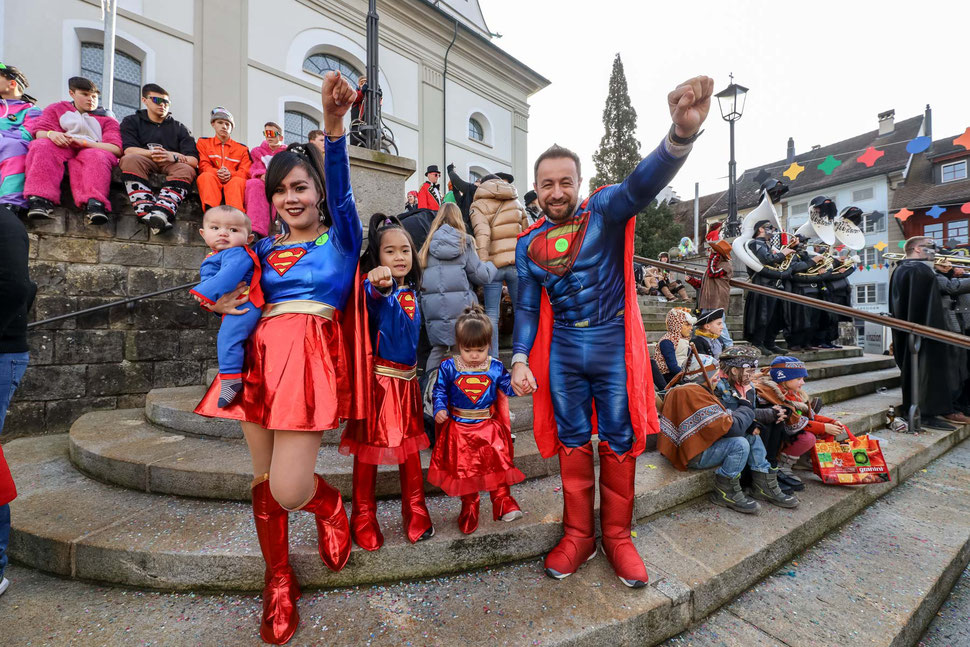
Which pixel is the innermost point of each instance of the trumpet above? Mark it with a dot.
(827, 264)
(941, 259)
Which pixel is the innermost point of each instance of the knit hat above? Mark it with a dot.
(784, 368)
(738, 356)
(694, 374)
(221, 113)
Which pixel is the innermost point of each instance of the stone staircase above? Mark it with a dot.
(155, 498)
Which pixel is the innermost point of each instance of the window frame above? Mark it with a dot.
(287, 132)
(353, 76)
(866, 288)
(97, 75)
(480, 130)
(856, 194)
(958, 163)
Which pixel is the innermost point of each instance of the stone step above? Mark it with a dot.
(122, 448)
(951, 626)
(699, 557)
(879, 579)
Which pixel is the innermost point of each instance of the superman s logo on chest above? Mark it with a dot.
(555, 249)
(473, 386)
(406, 299)
(282, 260)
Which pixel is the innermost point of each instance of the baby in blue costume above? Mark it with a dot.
(227, 231)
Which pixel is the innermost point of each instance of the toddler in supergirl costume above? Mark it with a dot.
(474, 447)
(228, 232)
(393, 432)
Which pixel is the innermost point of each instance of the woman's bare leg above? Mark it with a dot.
(291, 477)
(260, 442)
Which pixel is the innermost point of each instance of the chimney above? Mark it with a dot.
(928, 122)
(790, 157)
(886, 122)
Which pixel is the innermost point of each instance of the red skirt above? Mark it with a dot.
(8, 491)
(472, 457)
(394, 428)
(295, 376)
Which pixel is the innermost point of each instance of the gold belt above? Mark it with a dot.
(585, 322)
(474, 414)
(399, 373)
(300, 307)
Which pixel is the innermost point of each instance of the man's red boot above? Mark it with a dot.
(504, 507)
(468, 517)
(616, 516)
(364, 528)
(333, 529)
(417, 521)
(577, 545)
(281, 589)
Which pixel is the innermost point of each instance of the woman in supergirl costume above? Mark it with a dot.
(297, 376)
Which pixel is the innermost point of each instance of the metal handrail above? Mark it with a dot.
(113, 304)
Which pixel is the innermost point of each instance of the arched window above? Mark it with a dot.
(475, 130)
(474, 176)
(127, 85)
(297, 126)
(320, 64)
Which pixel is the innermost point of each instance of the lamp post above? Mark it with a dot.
(731, 102)
(372, 99)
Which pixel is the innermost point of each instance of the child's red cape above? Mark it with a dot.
(639, 386)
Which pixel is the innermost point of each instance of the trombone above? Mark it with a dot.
(941, 259)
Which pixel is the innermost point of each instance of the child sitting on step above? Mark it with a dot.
(228, 232)
(474, 447)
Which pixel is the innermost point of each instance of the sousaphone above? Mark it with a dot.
(848, 228)
(764, 211)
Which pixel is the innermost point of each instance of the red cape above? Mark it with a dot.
(8, 491)
(361, 359)
(639, 386)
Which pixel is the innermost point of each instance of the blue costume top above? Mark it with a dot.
(394, 322)
(322, 269)
(470, 389)
(222, 271)
(585, 290)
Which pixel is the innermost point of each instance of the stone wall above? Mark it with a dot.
(112, 358)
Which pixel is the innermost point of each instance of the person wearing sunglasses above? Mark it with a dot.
(154, 142)
(257, 206)
(16, 110)
(223, 164)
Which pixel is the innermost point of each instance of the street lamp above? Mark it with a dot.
(731, 102)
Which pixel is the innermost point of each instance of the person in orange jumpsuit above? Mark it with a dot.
(223, 164)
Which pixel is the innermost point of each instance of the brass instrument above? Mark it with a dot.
(827, 264)
(941, 259)
(791, 244)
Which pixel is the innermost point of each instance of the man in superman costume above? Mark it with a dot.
(579, 338)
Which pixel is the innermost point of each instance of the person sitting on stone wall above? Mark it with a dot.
(223, 164)
(257, 206)
(317, 138)
(90, 144)
(18, 109)
(154, 142)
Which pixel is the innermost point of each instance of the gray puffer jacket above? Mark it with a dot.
(445, 287)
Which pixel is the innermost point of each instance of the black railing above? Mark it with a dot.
(113, 304)
(916, 331)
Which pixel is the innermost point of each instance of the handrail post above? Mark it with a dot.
(913, 416)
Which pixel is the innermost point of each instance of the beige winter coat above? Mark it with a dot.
(497, 218)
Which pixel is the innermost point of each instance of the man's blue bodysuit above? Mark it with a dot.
(395, 323)
(221, 272)
(580, 263)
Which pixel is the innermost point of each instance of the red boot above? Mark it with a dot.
(281, 590)
(578, 484)
(417, 521)
(504, 507)
(333, 529)
(363, 512)
(616, 515)
(468, 517)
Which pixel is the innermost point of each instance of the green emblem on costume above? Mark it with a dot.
(322, 239)
(562, 245)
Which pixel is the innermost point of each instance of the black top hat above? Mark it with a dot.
(530, 197)
(708, 317)
(432, 169)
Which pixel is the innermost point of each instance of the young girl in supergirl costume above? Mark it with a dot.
(394, 432)
(474, 447)
(296, 377)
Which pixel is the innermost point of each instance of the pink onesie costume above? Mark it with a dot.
(257, 206)
(89, 169)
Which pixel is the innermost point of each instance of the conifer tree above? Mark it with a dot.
(618, 154)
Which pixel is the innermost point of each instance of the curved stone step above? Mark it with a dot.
(699, 557)
(122, 448)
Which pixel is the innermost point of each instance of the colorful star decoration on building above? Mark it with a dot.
(965, 208)
(870, 156)
(829, 165)
(963, 140)
(793, 171)
(881, 245)
(935, 212)
(903, 214)
(918, 145)
(901, 244)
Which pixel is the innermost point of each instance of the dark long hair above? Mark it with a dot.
(309, 158)
(371, 258)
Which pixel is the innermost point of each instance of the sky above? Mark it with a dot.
(817, 71)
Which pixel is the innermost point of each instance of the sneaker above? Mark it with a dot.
(957, 418)
(96, 213)
(4, 585)
(158, 223)
(828, 346)
(39, 208)
(935, 422)
(776, 350)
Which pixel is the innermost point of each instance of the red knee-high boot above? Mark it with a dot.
(468, 517)
(333, 529)
(578, 487)
(417, 521)
(363, 512)
(504, 507)
(281, 589)
(616, 516)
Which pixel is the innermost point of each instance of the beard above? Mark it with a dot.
(570, 209)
